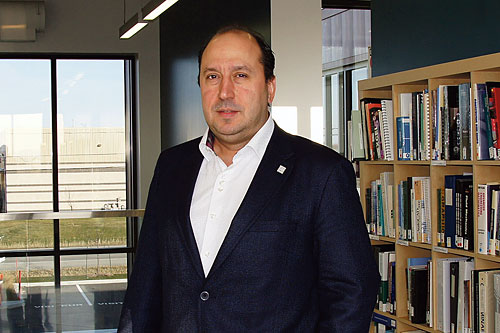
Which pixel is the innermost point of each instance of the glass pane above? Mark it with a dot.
(25, 136)
(91, 134)
(336, 112)
(95, 285)
(25, 235)
(94, 233)
(28, 300)
(357, 75)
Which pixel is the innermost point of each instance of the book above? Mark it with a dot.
(387, 115)
(462, 186)
(496, 289)
(387, 322)
(453, 296)
(465, 268)
(426, 145)
(403, 127)
(419, 293)
(483, 136)
(357, 143)
(493, 92)
(486, 301)
(465, 121)
(443, 293)
(450, 209)
(483, 209)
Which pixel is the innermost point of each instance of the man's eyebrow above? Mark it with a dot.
(209, 69)
(234, 68)
(242, 67)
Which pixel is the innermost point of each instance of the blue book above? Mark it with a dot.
(381, 319)
(403, 126)
(418, 261)
(450, 228)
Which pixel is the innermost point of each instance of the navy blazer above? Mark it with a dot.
(296, 258)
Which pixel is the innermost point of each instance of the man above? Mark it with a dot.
(250, 229)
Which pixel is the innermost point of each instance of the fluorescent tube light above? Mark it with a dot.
(131, 27)
(154, 8)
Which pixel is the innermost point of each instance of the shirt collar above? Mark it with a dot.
(258, 143)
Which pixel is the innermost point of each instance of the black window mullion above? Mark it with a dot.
(55, 192)
(55, 173)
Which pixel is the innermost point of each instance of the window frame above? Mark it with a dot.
(131, 158)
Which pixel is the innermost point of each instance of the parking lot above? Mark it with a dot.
(85, 306)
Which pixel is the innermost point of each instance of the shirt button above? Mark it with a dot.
(204, 295)
(207, 254)
(220, 189)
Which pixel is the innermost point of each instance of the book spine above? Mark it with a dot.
(482, 221)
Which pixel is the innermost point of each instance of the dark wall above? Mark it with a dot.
(409, 34)
(183, 29)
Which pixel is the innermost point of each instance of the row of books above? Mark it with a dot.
(455, 224)
(452, 122)
(468, 298)
(487, 107)
(372, 130)
(444, 135)
(414, 206)
(488, 229)
(385, 257)
(379, 206)
(413, 126)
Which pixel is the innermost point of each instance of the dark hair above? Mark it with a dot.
(267, 57)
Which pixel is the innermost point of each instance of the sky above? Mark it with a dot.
(90, 92)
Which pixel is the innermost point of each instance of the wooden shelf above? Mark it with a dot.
(473, 70)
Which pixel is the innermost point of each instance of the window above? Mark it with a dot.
(65, 147)
(346, 41)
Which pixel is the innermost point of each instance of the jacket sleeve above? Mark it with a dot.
(141, 310)
(348, 279)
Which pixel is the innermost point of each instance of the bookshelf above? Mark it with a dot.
(473, 70)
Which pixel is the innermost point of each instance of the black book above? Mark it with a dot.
(414, 124)
(418, 294)
(453, 295)
(469, 218)
(409, 185)
(461, 184)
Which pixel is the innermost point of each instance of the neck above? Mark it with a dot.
(226, 151)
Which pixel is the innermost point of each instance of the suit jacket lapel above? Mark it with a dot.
(266, 182)
(184, 194)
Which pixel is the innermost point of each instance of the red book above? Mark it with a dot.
(495, 116)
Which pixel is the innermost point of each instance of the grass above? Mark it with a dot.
(96, 232)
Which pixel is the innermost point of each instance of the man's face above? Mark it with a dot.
(234, 91)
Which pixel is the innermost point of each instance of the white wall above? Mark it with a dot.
(296, 41)
(91, 26)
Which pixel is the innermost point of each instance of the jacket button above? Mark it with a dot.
(204, 295)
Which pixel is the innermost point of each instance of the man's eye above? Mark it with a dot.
(241, 75)
(211, 76)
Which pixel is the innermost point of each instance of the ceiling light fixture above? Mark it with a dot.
(154, 8)
(131, 27)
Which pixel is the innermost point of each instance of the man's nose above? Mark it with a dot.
(226, 89)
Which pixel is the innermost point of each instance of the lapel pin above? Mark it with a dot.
(281, 169)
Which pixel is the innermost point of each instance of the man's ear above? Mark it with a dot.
(271, 89)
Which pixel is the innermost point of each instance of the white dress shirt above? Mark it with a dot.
(220, 189)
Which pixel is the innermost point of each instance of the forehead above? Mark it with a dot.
(232, 46)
